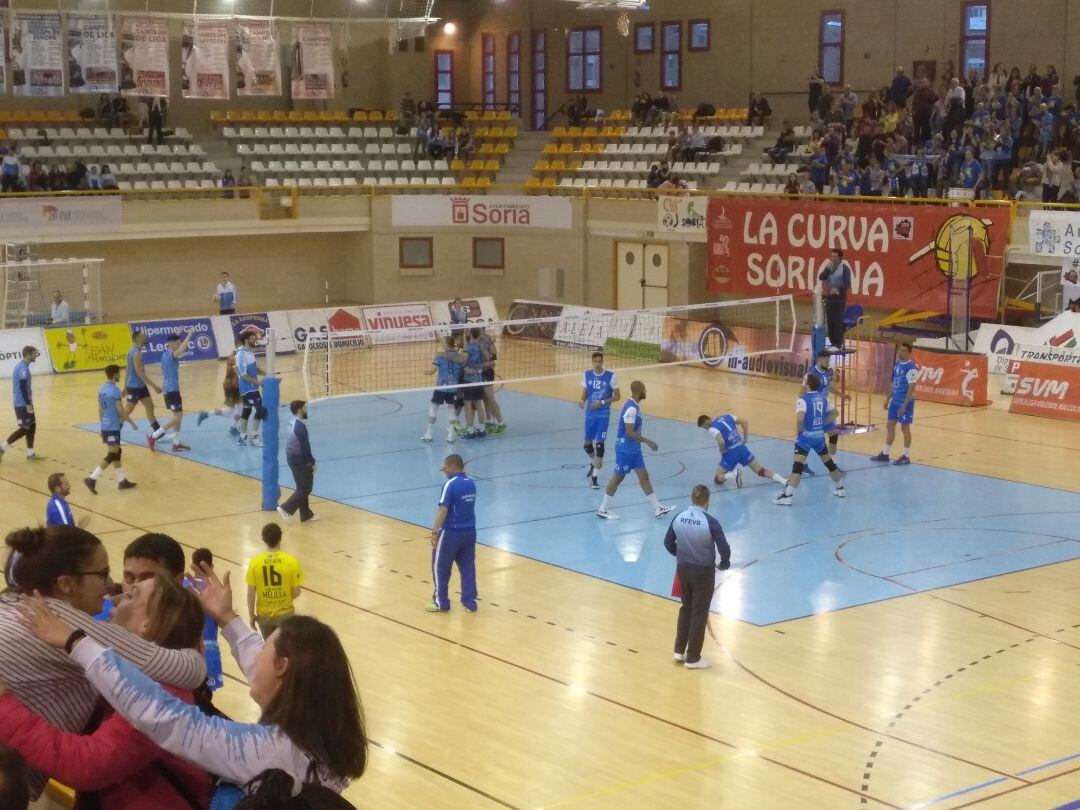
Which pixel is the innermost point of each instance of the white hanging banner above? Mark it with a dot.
(258, 60)
(3, 61)
(204, 59)
(312, 61)
(144, 57)
(91, 53)
(36, 55)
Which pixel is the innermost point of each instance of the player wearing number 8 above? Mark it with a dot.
(273, 582)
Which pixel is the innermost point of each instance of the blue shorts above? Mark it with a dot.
(24, 418)
(134, 395)
(805, 444)
(904, 418)
(174, 402)
(442, 397)
(733, 458)
(625, 462)
(252, 398)
(111, 437)
(596, 425)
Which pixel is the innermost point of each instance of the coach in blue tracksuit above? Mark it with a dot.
(453, 537)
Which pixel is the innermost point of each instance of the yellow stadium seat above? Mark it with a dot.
(548, 182)
(327, 115)
(504, 115)
(480, 132)
(575, 165)
(495, 131)
(310, 115)
(550, 149)
(565, 148)
(471, 115)
(469, 182)
(476, 165)
(390, 115)
(483, 182)
(72, 116)
(510, 132)
(541, 166)
(532, 182)
(20, 116)
(558, 165)
(375, 115)
(296, 115)
(574, 132)
(264, 115)
(559, 132)
(280, 115)
(491, 165)
(54, 115)
(589, 132)
(3, 134)
(457, 165)
(359, 115)
(5, 116)
(502, 149)
(216, 116)
(487, 148)
(489, 115)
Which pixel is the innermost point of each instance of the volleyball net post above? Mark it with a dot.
(271, 396)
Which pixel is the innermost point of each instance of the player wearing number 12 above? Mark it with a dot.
(599, 389)
(273, 582)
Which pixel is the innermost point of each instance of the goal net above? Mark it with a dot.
(384, 361)
(28, 286)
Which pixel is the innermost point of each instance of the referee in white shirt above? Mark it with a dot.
(59, 311)
(693, 536)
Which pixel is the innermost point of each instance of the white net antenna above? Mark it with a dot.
(384, 361)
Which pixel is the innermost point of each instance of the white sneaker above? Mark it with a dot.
(662, 510)
(680, 657)
(311, 519)
(451, 436)
(255, 441)
(426, 437)
(783, 500)
(738, 477)
(284, 515)
(839, 492)
(606, 515)
(701, 663)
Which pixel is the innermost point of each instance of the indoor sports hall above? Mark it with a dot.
(733, 202)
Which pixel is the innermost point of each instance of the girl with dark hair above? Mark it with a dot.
(70, 568)
(312, 724)
(122, 769)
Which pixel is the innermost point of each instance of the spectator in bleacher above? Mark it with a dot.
(463, 144)
(758, 110)
(10, 170)
(955, 103)
(1001, 163)
(1044, 120)
(849, 102)
(120, 111)
(1049, 79)
(658, 174)
(76, 176)
(899, 143)
(38, 179)
(807, 187)
(900, 88)
(57, 177)
(895, 176)
(423, 136)
(155, 119)
(970, 170)
(406, 114)
(105, 116)
(792, 185)
(93, 179)
(699, 145)
(832, 115)
(923, 99)
(998, 79)
(819, 169)
(575, 109)
(662, 105)
(785, 144)
(815, 89)
(919, 173)
(228, 183)
(891, 118)
(437, 144)
(847, 180)
(876, 178)
(108, 182)
(1057, 178)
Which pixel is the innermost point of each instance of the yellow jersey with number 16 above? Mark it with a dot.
(273, 575)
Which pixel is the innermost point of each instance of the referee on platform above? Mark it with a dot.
(691, 538)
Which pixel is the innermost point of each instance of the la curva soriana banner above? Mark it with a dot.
(901, 256)
(1043, 389)
(951, 377)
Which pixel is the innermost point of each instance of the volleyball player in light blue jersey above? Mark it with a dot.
(812, 413)
(827, 374)
(901, 404)
(447, 364)
(175, 348)
(731, 434)
(137, 382)
(599, 389)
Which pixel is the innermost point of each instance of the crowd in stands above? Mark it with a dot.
(998, 134)
(434, 139)
(116, 702)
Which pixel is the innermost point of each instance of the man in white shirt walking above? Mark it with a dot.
(59, 311)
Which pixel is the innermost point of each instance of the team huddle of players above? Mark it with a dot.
(465, 366)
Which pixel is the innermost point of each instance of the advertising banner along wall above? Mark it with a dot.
(481, 211)
(86, 348)
(202, 345)
(27, 216)
(901, 256)
(1054, 233)
(91, 53)
(391, 319)
(951, 377)
(37, 57)
(1043, 389)
(144, 57)
(204, 59)
(312, 61)
(258, 60)
(681, 214)
(12, 342)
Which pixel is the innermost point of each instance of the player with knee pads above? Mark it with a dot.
(23, 401)
(731, 434)
(824, 372)
(812, 413)
(599, 388)
(112, 415)
(900, 404)
(248, 377)
(448, 364)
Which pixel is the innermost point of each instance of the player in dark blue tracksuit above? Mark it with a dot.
(453, 537)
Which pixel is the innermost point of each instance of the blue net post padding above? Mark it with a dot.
(271, 490)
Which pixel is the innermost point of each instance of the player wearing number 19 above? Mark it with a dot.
(812, 413)
(599, 389)
(273, 582)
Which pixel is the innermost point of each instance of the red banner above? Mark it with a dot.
(951, 377)
(1045, 389)
(901, 255)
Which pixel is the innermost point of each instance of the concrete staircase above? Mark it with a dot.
(527, 149)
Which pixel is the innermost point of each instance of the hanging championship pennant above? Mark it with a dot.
(144, 57)
(38, 65)
(313, 61)
(91, 43)
(204, 71)
(258, 62)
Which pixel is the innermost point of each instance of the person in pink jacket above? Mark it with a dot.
(120, 764)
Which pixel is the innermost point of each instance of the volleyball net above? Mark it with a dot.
(393, 360)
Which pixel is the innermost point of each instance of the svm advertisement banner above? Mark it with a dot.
(955, 378)
(86, 348)
(1040, 354)
(144, 57)
(901, 256)
(12, 342)
(36, 55)
(398, 323)
(1043, 389)
(202, 345)
(91, 43)
(481, 211)
(312, 61)
(35, 215)
(204, 59)
(258, 60)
